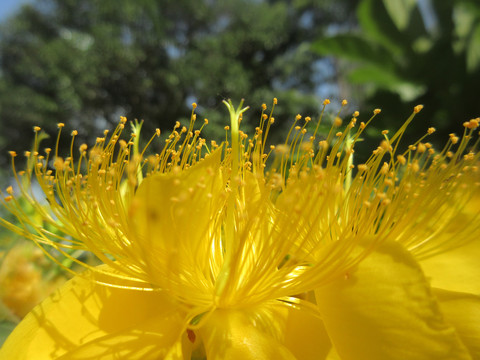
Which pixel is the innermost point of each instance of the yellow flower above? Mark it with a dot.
(428, 270)
(214, 251)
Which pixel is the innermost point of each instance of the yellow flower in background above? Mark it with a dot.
(21, 283)
(214, 251)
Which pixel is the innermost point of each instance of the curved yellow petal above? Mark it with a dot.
(462, 311)
(83, 317)
(305, 335)
(231, 334)
(174, 215)
(456, 270)
(384, 310)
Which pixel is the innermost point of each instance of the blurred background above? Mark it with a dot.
(87, 62)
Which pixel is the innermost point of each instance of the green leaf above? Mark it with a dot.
(352, 47)
(374, 74)
(377, 25)
(384, 78)
(400, 11)
(473, 51)
(6, 327)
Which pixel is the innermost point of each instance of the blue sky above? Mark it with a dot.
(8, 7)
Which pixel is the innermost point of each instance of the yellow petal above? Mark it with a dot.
(455, 270)
(174, 215)
(231, 334)
(384, 309)
(305, 335)
(82, 316)
(462, 311)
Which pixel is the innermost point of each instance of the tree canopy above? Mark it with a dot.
(404, 54)
(87, 62)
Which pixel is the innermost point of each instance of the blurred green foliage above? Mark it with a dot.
(404, 54)
(87, 62)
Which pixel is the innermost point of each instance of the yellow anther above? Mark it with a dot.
(323, 144)
(417, 109)
(298, 117)
(157, 132)
(194, 106)
(421, 148)
(384, 132)
(227, 128)
(431, 130)
(384, 169)
(36, 128)
(344, 102)
(385, 145)
(377, 111)
(356, 114)
(10, 190)
(362, 167)
(337, 122)
(472, 124)
(326, 102)
(264, 107)
(415, 167)
(401, 159)
(264, 116)
(282, 149)
(275, 101)
(123, 119)
(12, 153)
(308, 119)
(8, 198)
(74, 133)
(205, 121)
(59, 164)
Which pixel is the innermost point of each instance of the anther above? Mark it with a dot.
(417, 109)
